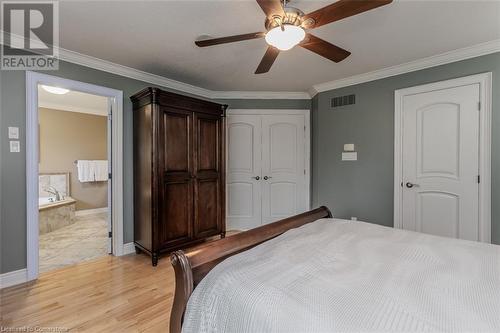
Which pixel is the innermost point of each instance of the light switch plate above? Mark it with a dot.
(15, 146)
(13, 132)
(350, 156)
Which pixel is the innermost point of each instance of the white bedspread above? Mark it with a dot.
(342, 276)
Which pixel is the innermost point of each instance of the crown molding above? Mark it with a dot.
(260, 95)
(432, 61)
(428, 62)
(107, 66)
(132, 73)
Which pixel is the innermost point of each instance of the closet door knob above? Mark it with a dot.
(256, 177)
(267, 177)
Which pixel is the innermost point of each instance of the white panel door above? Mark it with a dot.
(283, 165)
(441, 162)
(243, 189)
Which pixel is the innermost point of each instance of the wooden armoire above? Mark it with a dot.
(178, 171)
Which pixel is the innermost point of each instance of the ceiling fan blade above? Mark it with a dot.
(271, 7)
(268, 60)
(229, 39)
(340, 10)
(324, 49)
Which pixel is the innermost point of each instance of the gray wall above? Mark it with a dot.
(267, 103)
(13, 165)
(365, 188)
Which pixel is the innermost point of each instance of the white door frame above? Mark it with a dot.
(485, 93)
(33, 79)
(307, 141)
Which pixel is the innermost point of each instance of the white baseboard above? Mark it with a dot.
(85, 212)
(12, 278)
(128, 248)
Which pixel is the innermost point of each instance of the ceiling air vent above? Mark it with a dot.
(343, 101)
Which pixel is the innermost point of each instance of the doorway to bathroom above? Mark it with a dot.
(73, 178)
(73, 138)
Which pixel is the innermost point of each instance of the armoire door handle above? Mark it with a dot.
(256, 177)
(267, 177)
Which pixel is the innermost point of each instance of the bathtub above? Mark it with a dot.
(50, 202)
(45, 201)
(55, 214)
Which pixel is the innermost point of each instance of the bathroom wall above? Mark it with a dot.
(68, 136)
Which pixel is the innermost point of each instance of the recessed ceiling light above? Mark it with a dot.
(55, 90)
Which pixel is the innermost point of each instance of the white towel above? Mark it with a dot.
(92, 170)
(101, 171)
(85, 171)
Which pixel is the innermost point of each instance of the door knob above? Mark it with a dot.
(410, 185)
(266, 177)
(256, 177)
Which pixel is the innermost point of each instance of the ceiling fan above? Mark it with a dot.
(286, 27)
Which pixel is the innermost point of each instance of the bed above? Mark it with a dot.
(313, 273)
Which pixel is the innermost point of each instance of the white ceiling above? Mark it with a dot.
(73, 101)
(157, 37)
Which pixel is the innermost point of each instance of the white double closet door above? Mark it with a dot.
(266, 169)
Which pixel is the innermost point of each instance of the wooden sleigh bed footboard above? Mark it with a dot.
(192, 265)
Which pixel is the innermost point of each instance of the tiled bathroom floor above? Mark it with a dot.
(83, 240)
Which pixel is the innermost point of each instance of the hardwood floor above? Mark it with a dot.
(110, 294)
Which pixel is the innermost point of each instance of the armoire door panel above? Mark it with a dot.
(177, 145)
(208, 129)
(207, 208)
(207, 175)
(176, 217)
(207, 220)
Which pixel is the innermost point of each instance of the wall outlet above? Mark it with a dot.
(15, 146)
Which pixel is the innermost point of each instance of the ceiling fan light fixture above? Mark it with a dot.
(286, 38)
